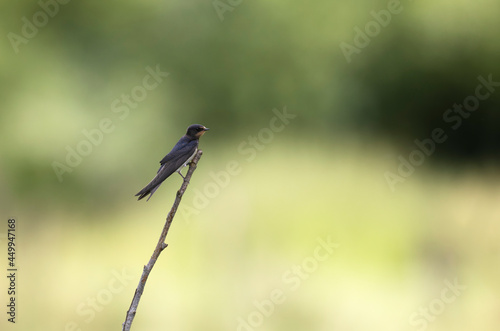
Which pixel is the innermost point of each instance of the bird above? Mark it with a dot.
(179, 157)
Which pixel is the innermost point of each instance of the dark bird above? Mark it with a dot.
(179, 157)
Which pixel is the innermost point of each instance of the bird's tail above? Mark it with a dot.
(149, 189)
(145, 191)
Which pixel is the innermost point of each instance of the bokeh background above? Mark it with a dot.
(250, 236)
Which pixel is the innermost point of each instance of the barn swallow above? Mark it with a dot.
(179, 157)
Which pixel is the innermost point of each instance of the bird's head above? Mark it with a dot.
(196, 131)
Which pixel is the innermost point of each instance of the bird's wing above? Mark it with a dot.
(173, 160)
(169, 164)
(180, 153)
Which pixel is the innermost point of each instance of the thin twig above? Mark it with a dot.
(160, 246)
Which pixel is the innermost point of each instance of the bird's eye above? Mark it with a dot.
(200, 129)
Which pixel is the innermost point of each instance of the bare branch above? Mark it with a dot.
(161, 244)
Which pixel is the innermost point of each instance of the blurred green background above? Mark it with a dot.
(83, 124)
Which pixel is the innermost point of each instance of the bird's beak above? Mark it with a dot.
(205, 129)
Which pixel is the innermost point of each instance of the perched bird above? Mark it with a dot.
(179, 157)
